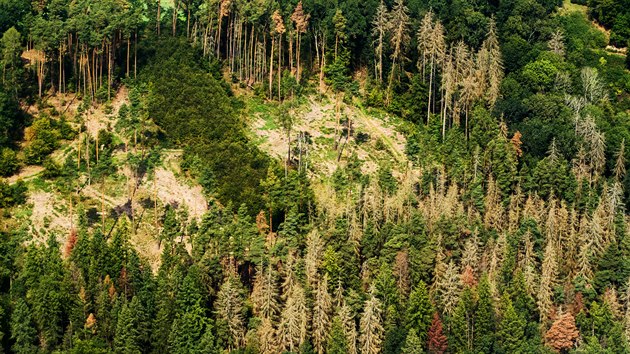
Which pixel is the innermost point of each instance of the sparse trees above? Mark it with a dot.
(399, 26)
(379, 31)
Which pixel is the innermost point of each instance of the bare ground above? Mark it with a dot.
(319, 120)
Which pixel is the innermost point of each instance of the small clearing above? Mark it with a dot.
(45, 214)
(319, 120)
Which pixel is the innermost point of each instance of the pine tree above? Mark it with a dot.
(301, 26)
(267, 337)
(371, 325)
(562, 333)
(419, 311)
(449, 287)
(620, 162)
(190, 323)
(321, 315)
(23, 334)
(413, 344)
(399, 25)
(437, 342)
(461, 323)
(264, 294)
(127, 340)
(349, 326)
(432, 48)
(229, 307)
(547, 281)
(291, 332)
(511, 333)
(337, 342)
(492, 63)
(379, 30)
(484, 318)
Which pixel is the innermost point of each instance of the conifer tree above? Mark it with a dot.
(301, 26)
(419, 311)
(484, 318)
(547, 281)
(292, 327)
(491, 64)
(398, 23)
(437, 342)
(229, 307)
(562, 333)
(23, 334)
(371, 325)
(321, 315)
(379, 30)
(348, 325)
(127, 340)
(511, 334)
(264, 294)
(449, 287)
(413, 345)
(461, 323)
(337, 342)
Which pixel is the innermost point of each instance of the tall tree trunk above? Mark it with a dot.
(128, 54)
(158, 21)
(279, 65)
(271, 68)
(297, 55)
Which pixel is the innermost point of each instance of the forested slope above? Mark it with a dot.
(315, 176)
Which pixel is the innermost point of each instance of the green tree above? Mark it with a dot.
(127, 340)
(484, 318)
(419, 311)
(23, 333)
(337, 342)
(11, 44)
(511, 332)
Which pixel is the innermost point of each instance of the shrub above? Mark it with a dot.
(9, 163)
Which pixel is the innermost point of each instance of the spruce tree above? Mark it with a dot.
(337, 342)
(437, 341)
(23, 334)
(413, 344)
(127, 340)
(511, 333)
(419, 311)
(484, 318)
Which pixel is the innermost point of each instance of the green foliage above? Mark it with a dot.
(11, 195)
(9, 163)
(419, 312)
(194, 110)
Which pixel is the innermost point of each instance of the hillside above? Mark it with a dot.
(314, 176)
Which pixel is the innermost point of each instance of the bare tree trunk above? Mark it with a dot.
(279, 65)
(158, 21)
(175, 13)
(128, 54)
(271, 68)
(297, 54)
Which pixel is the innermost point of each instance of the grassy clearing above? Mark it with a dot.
(569, 7)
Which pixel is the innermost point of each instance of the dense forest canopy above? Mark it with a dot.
(492, 219)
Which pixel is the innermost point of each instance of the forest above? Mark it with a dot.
(314, 176)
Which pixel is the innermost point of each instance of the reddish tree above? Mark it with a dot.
(563, 333)
(468, 277)
(437, 341)
(71, 242)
